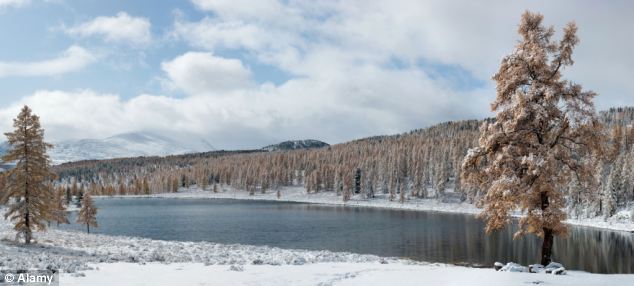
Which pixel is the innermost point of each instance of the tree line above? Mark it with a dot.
(423, 163)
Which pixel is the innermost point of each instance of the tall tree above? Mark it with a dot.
(88, 213)
(26, 187)
(543, 132)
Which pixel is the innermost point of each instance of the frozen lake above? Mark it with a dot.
(425, 236)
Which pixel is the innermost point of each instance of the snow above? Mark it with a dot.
(622, 221)
(126, 145)
(343, 274)
(72, 251)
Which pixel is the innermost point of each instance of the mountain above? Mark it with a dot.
(126, 145)
(123, 145)
(296, 144)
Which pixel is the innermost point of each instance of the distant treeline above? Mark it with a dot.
(423, 163)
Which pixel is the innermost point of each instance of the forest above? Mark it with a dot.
(423, 163)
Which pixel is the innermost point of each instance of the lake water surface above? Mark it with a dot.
(424, 236)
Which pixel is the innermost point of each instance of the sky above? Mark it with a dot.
(245, 74)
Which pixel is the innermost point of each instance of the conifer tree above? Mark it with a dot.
(69, 196)
(79, 197)
(88, 213)
(543, 133)
(58, 210)
(26, 189)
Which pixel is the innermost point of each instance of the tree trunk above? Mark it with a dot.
(87, 228)
(27, 223)
(547, 246)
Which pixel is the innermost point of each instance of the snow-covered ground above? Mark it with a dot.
(623, 221)
(326, 274)
(72, 251)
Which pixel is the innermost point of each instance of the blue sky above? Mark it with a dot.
(243, 74)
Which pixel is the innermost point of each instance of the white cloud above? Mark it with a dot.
(315, 38)
(203, 73)
(334, 109)
(355, 68)
(121, 28)
(73, 59)
(13, 3)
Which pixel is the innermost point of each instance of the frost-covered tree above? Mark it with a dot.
(26, 189)
(544, 129)
(88, 213)
(612, 189)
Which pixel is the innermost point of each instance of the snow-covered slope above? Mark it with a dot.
(126, 145)
(296, 144)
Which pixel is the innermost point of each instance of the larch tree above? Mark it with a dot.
(544, 133)
(58, 209)
(26, 188)
(88, 213)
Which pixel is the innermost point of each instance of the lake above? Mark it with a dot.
(424, 236)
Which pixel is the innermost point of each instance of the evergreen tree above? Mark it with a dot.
(88, 213)
(69, 196)
(544, 129)
(26, 189)
(79, 197)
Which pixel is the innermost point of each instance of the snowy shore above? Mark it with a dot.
(93, 259)
(621, 222)
(72, 251)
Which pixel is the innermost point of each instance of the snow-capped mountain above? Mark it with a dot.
(127, 145)
(296, 144)
(123, 145)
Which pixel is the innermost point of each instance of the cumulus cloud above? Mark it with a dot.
(333, 110)
(121, 28)
(297, 36)
(13, 3)
(73, 59)
(352, 69)
(203, 73)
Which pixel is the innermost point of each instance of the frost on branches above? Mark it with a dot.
(545, 133)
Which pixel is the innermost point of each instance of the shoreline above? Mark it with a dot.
(298, 195)
(100, 259)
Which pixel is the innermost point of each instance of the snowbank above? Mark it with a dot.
(344, 274)
(622, 221)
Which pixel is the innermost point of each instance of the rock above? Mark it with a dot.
(299, 261)
(237, 268)
(514, 267)
(258, 262)
(535, 268)
(497, 266)
(559, 271)
(552, 266)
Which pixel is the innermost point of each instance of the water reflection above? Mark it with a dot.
(425, 236)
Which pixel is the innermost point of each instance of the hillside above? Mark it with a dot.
(296, 144)
(423, 163)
